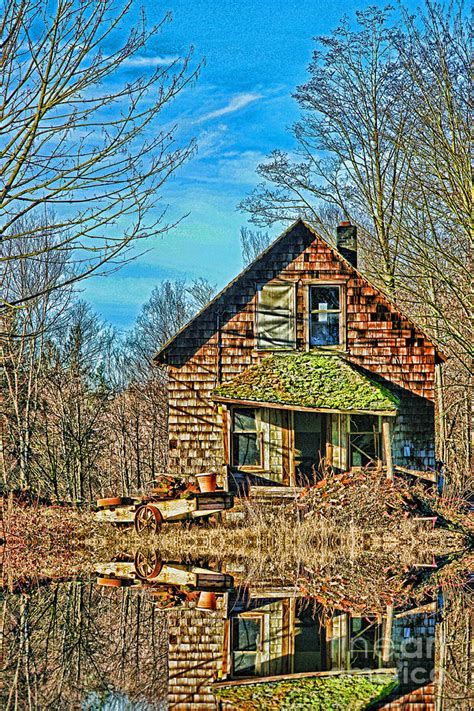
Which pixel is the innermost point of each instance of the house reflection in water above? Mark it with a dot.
(290, 636)
(259, 638)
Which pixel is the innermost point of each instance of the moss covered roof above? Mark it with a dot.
(309, 380)
(334, 693)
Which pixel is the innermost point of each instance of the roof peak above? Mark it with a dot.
(298, 222)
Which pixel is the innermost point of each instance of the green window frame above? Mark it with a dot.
(246, 644)
(246, 440)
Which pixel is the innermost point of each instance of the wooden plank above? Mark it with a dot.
(272, 492)
(387, 444)
(428, 476)
(300, 408)
(304, 675)
(387, 636)
(274, 593)
(430, 608)
(287, 470)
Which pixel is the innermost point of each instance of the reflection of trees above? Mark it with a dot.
(71, 644)
(454, 655)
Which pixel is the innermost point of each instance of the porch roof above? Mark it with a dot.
(309, 381)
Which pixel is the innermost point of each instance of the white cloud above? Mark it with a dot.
(151, 61)
(235, 104)
(239, 168)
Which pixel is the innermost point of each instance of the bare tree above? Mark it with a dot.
(355, 108)
(170, 306)
(435, 276)
(165, 312)
(200, 292)
(75, 407)
(137, 437)
(253, 243)
(23, 340)
(437, 222)
(79, 138)
(58, 650)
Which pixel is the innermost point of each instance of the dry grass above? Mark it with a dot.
(273, 544)
(45, 542)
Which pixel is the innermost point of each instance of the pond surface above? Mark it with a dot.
(143, 633)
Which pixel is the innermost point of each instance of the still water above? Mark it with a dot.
(142, 633)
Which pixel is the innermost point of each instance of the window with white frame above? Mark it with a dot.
(325, 315)
(275, 323)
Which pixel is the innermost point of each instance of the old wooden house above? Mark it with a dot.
(299, 363)
(252, 637)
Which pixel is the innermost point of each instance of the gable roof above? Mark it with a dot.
(157, 357)
(309, 381)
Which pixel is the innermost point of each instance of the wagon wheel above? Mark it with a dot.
(147, 564)
(111, 501)
(148, 519)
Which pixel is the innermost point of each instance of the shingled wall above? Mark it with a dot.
(194, 657)
(220, 343)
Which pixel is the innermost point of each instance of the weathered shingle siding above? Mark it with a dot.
(413, 443)
(378, 338)
(194, 657)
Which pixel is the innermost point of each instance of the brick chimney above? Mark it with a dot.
(347, 242)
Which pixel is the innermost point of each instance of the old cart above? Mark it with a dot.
(147, 513)
(148, 567)
(171, 583)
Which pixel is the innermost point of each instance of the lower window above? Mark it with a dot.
(246, 643)
(365, 440)
(246, 451)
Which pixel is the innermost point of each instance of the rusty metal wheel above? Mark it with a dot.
(148, 519)
(148, 564)
(111, 501)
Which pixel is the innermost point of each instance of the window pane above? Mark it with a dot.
(244, 420)
(365, 449)
(324, 329)
(276, 332)
(324, 297)
(364, 423)
(275, 316)
(246, 634)
(246, 452)
(244, 664)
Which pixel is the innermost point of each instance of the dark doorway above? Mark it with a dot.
(309, 446)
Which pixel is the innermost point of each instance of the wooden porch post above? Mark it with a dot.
(387, 637)
(387, 445)
(327, 428)
(225, 434)
(225, 444)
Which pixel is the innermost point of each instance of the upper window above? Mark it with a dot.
(246, 451)
(324, 315)
(276, 316)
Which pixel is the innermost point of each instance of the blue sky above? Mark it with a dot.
(256, 54)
